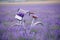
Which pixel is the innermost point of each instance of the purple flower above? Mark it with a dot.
(21, 14)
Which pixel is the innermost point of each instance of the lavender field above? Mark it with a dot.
(48, 14)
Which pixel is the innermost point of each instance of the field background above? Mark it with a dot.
(47, 12)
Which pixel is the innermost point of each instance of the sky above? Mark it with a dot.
(24, 0)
